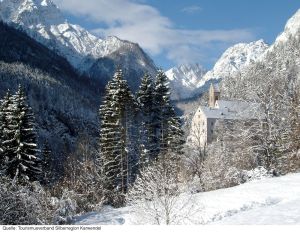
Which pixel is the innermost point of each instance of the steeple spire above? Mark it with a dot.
(214, 95)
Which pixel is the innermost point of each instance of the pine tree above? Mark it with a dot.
(115, 139)
(163, 110)
(175, 136)
(109, 140)
(20, 144)
(146, 127)
(3, 130)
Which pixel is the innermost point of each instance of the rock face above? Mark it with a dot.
(184, 80)
(98, 58)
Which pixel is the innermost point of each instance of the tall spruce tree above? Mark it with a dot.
(20, 143)
(3, 131)
(163, 111)
(175, 135)
(145, 99)
(175, 143)
(168, 132)
(115, 139)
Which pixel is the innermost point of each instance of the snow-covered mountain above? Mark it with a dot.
(63, 102)
(184, 79)
(283, 55)
(280, 61)
(44, 22)
(235, 59)
(291, 29)
(187, 81)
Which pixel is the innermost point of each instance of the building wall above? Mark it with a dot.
(210, 129)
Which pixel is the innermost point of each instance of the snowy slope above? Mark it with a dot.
(266, 201)
(184, 79)
(287, 212)
(43, 21)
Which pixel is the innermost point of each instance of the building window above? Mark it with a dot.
(211, 123)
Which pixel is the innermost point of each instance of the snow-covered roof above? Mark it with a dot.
(231, 110)
(233, 105)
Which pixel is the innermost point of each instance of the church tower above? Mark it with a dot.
(214, 95)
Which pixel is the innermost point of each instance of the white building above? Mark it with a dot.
(204, 120)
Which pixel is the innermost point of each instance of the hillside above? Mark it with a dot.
(58, 95)
(256, 202)
(93, 56)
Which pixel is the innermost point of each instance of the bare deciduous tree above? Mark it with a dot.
(158, 198)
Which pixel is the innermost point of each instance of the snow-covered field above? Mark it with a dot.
(266, 201)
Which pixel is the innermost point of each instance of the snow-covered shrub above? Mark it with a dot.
(195, 185)
(234, 176)
(256, 174)
(66, 207)
(70, 201)
(158, 198)
(290, 162)
(81, 180)
(24, 204)
(222, 168)
(193, 162)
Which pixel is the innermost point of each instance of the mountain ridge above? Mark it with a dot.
(64, 103)
(183, 80)
(43, 21)
(235, 59)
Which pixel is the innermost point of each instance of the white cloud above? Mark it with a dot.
(135, 21)
(191, 9)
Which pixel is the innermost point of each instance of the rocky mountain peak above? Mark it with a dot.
(43, 21)
(184, 79)
(31, 13)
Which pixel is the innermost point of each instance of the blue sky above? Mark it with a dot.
(177, 31)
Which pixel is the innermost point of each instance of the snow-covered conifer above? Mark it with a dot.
(20, 144)
(162, 111)
(146, 127)
(175, 135)
(115, 142)
(3, 130)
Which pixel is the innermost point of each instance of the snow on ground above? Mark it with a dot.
(286, 212)
(266, 201)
